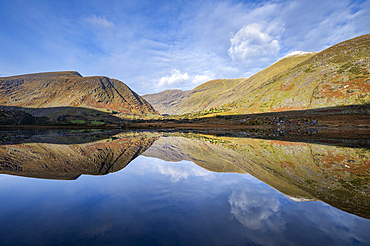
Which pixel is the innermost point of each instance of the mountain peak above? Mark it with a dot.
(299, 53)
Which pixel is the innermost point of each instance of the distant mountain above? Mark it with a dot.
(200, 98)
(62, 89)
(337, 76)
(166, 102)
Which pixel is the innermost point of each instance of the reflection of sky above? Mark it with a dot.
(256, 209)
(155, 202)
(177, 171)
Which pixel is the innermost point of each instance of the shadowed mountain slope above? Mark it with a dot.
(58, 89)
(166, 102)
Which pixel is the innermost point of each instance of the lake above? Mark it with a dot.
(181, 188)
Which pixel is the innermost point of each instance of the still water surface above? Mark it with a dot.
(163, 200)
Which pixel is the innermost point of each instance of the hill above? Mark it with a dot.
(337, 76)
(70, 89)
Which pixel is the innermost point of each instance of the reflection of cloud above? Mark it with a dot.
(182, 171)
(256, 210)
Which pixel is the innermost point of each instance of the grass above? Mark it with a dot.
(97, 123)
(78, 122)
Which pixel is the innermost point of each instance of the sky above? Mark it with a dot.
(158, 45)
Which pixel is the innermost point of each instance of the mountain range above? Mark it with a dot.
(336, 76)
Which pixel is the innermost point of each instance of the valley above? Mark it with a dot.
(185, 122)
(303, 95)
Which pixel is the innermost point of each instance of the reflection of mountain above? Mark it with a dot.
(79, 136)
(217, 158)
(209, 156)
(60, 161)
(337, 175)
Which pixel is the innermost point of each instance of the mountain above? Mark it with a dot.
(337, 76)
(166, 102)
(62, 89)
(200, 98)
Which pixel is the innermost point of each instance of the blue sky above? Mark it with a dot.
(157, 45)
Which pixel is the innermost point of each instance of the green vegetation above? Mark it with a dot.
(97, 123)
(78, 122)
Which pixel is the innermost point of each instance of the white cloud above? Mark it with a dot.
(199, 79)
(252, 42)
(100, 22)
(197, 39)
(176, 78)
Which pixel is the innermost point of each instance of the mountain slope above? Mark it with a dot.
(206, 95)
(336, 76)
(56, 89)
(166, 102)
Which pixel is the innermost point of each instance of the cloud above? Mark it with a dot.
(199, 79)
(252, 42)
(230, 39)
(100, 22)
(176, 78)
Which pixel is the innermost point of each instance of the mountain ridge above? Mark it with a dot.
(69, 88)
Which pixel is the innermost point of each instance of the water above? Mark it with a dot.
(146, 189)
